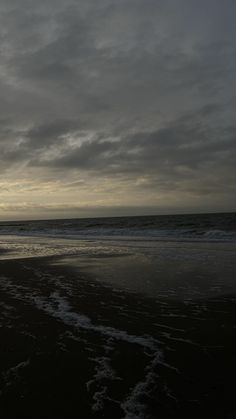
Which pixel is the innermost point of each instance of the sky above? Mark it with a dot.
(117, 107)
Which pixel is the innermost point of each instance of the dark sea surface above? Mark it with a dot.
(124, 318)
(220, 226)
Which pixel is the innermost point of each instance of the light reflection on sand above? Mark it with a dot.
(185, 270)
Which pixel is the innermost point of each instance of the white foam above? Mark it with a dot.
(58, 307)
(14, 373)
(133, 407)
(103, 372)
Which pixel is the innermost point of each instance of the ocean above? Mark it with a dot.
(204, 227)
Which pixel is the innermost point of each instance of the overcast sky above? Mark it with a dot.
(112, 107)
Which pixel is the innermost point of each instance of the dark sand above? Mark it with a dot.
(73, 347)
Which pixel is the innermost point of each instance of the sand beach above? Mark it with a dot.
(77, 343)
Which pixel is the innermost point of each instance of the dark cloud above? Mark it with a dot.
(182, 150)
(120, 89)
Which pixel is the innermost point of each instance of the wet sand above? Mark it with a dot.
(73, 346)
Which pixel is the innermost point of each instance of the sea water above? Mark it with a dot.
(204, 227)
(175, 256)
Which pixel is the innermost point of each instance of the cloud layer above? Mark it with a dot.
(113, 105)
